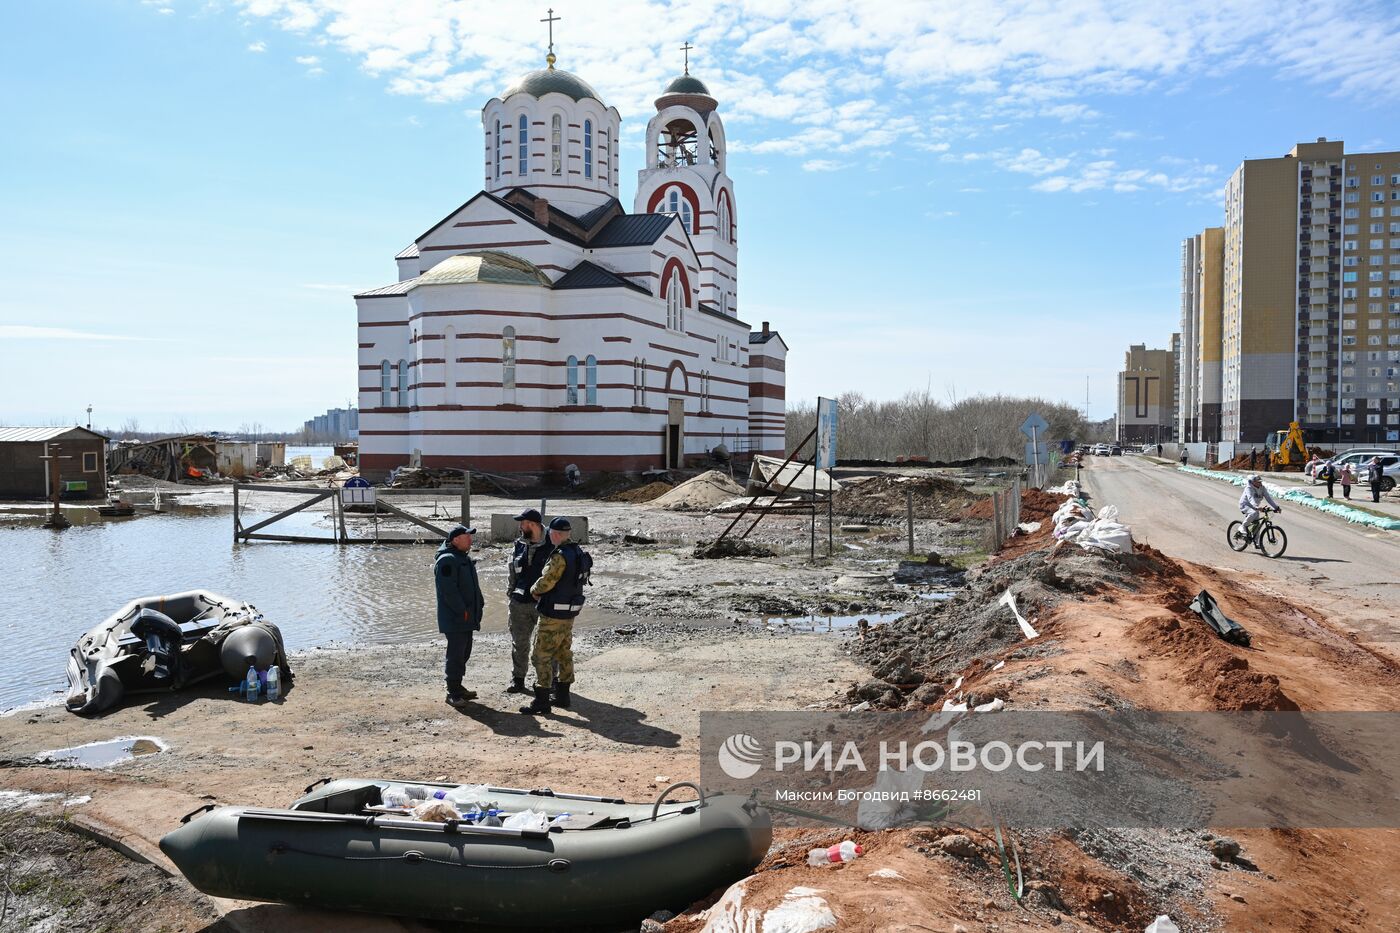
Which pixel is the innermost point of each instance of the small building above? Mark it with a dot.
(24, 474)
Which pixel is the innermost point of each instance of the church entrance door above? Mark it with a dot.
(675, 433)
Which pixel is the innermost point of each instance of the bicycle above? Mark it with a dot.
(1268, 537)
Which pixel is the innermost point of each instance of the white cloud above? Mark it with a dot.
(1032, 162)
(26, 332)
(257, 46)
(822, 165)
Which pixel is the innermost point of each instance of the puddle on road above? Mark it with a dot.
(821, 623)
(104, 754)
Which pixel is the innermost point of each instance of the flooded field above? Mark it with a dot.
(58, 585)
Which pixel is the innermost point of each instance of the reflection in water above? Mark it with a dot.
(54, 586)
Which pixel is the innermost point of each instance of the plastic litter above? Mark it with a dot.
(1163, 924)
(435, 811)
(527, 820)
(844, 852)
(1204, 605)
(801, 911)
(1010, 602)
(887, 873)
(995, 706)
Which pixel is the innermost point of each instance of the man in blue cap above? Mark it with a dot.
(559, 592)
(459, 607)
(527, 563)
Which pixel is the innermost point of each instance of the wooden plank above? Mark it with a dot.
(440, 532)
(321, 495)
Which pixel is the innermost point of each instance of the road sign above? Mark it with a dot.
(1034, 425)
(1037, 453)
(826, 433)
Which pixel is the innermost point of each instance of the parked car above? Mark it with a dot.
(1390, 462)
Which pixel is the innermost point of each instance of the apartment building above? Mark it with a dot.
(1146, 414)
(1291, 311)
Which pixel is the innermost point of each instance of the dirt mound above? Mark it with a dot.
(1036, 506)
(641, 493)
(703, 492)
(946, 637)
(886, 497)
(1211, 666)
(730, 547)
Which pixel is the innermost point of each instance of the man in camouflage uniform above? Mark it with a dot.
(560, 593)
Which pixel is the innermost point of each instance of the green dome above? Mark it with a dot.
(686, 84)
(552, 81)
(487, 267)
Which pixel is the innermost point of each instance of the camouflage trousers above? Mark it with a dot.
(554, 648)
(522, 629)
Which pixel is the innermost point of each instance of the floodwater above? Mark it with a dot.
(54, 586)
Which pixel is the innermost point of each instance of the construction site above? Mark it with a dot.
(904, 589)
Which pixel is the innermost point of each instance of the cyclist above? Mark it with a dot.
(1254, 501)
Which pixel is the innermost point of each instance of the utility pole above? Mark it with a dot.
(89, 411)
(56, 519)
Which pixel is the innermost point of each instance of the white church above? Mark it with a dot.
(540, 324)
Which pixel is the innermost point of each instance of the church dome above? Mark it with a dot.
(552, 81)
(687, 84)
(487, 267)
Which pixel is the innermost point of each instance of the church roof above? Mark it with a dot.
(484, 266)
(408, 252)
(632, 230)
(687, 84)
(552, 81)
(590, 275)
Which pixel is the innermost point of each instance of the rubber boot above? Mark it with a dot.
(541, 704)
(561, 696)
(517, 685)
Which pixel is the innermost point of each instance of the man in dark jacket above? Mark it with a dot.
(1374, 474)
(527, 562)
(459, 607)
(559, 592)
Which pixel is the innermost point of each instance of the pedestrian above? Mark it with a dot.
(1348, 477)
(1253, 458)
(1184, 454)
(459, 608)
(532, 550)
(1329, 475)
(560, 593)
(1375, 473)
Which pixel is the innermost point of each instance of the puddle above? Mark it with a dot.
(103, 754)
(936, 597)
(820, 623)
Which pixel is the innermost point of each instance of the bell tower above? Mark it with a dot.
(685, 176)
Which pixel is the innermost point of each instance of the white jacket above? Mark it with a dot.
(1253, 498)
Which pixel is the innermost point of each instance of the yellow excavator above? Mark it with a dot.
(1287, 449)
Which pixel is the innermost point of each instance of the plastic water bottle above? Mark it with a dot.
(395, 798)
(844, 852)
(252, 684)
(274, 683)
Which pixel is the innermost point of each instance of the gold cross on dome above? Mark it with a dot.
(551, 19)
(686, 49)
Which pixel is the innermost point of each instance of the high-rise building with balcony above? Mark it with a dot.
(1308, 292)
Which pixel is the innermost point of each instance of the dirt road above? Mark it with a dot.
(1347, 571)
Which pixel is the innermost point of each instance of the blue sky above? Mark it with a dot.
(972, 196)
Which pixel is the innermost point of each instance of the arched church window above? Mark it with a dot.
(644, 381)
(587, 148)
(678, 204)
(385, 384)
(508, 365)
(675, 302)
(496, 139)
(522, 155)
(591, 393)
(636, 380)
(403, 384)
(556, 147)
(571, 381)
(724, 219)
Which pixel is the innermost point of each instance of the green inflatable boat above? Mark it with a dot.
(514, 858)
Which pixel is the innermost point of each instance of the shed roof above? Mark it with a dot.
(591, 275)
(32, 435)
